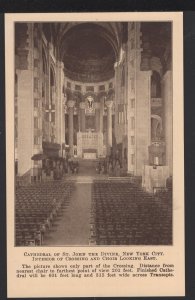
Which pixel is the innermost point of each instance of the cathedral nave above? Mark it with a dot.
(93, 133)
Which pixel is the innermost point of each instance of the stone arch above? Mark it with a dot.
(52, 84)
(112, 36)
(44, 72)
(44, 60)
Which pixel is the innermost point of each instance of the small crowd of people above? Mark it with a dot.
(57, 167)
(60, 166)
(111, 165)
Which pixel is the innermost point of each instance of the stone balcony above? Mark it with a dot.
(156, 102)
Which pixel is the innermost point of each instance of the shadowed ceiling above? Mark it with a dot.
(88, 50)
(88, 56)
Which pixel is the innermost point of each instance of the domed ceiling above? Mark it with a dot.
(88, 50)
(88, 55)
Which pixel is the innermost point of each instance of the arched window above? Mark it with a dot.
(44, 62)
(44, 70)
(155, 85)
(52, 86)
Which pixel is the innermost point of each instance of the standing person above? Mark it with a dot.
(60, 168)
(110, 168)
(69, 164)
(99, 167)
(116, 156)
(35, 173)
(117, 168)
(105, 164)
(169, 183)
(65, 165)
(77, 167)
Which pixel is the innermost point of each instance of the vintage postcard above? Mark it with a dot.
(95, 165)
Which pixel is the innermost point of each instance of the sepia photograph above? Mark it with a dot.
(93, 134)
(94, 154)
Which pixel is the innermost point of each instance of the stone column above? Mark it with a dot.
(70, 105)
(117, 81)
(142, 120)
(167, 98)
(101, 116)
(25, 121)
(109, 124)
(97, 116)
(60, 118)
(48, 91)
(82, 116)
(25, 101)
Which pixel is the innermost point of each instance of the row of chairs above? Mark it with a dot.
(124, 214)
(36, 208)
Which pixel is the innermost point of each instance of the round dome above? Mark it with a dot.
(88, 54)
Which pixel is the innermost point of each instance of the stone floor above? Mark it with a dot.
(72, 227)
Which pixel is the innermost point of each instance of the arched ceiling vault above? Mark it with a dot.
(113, 30)
(88, 49)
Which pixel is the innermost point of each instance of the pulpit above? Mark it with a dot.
(157, 153)
(154, 177)
(155, 174)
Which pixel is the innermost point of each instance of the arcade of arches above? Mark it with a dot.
(94, 88)
(94, 92)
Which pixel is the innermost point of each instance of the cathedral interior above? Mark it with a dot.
(93, 133)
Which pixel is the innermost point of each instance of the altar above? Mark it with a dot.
(89, 155)
(90, 145)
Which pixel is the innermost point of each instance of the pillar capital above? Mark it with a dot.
(96, 105)
(109, 125)
(70, 103)
(60, 64)
(82, 105)
(109, 103)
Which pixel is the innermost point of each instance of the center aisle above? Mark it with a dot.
(73, 226)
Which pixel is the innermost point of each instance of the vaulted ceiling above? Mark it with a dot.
(156, 42)
(88, 54)
(88, 50)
